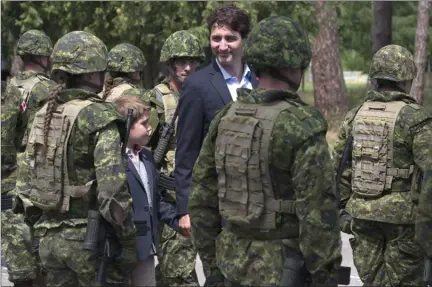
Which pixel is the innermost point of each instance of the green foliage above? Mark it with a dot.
(147, 24)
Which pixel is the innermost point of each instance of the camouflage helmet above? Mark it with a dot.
(181, 44)
(125, 58)
(277, 42)
(79, 52)
(394, 63)
(34, 42)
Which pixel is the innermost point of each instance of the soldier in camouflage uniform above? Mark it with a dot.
(126, 64)
(182, 55)
(72, 158)
(34, 47)
(265, 169)
(387, 147)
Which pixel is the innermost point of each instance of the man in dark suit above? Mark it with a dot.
(207, 91)
(149, 205)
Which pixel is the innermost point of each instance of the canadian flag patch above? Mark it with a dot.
(23, 107)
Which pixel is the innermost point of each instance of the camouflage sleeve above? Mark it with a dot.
(10, 101)
(423, 158)
(344, 183)
(316, 202)
(113, 193)
(203, 201)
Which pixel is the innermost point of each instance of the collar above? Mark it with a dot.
(227, 76)
(130, 152)
(24, 75)
(67, 95)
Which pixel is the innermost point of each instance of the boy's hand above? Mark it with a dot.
(185, 226)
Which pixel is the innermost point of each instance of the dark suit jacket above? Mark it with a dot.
(147, 227)
(203, 93)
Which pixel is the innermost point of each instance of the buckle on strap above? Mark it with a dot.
(280, 205)
(400, 172)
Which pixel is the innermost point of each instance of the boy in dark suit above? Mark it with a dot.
(149, 206)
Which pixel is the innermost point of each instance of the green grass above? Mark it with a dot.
(356, 95)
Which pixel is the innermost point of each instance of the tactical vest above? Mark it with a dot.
(372, 158)
(246, 196)
(50, 188)
(118, 91)
(170, 103)
(26, 87)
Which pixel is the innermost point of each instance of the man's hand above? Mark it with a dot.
(185, 226)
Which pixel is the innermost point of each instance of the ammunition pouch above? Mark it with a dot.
(6, 202)
(166, 181)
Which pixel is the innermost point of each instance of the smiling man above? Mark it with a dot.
(205, 92)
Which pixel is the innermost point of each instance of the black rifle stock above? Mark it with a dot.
(167, 133)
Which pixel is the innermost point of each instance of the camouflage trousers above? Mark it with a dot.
(21, 263)
(177, 257)
(386, 254)
(67, 264)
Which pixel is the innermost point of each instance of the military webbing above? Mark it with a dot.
(372, 162)
(118, 91)
(170, 102)
(50, 188)
(246, 196)
(26, 87)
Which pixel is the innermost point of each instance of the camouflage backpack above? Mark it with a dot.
(50, 188)
(26, 87)
(246, 196)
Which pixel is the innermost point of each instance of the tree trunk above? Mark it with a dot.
(382, 25)
(421, 50)
(330, 93)
(381, 28)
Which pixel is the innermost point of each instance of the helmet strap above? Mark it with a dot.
(278, 75)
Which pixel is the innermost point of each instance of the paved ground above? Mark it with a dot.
(346, 253)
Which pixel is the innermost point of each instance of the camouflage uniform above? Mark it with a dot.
(381, 192)
(18, 110)
(265, 169)
(83, 145)
(124, 58)
(177, 254)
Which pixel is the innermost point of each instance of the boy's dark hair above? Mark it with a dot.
(232, 16)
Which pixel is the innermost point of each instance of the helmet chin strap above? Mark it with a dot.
(278, 75)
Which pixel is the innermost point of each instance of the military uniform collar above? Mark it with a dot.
(76, 94)
(258, 96)
(24, 75)
(120, 80)
(389, 96)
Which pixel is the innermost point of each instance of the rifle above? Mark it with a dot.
(168, 130)
(93, 232)
(343, 162)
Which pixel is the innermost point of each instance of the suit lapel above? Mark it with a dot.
(254, 80)
(150, 175)
(218, 82)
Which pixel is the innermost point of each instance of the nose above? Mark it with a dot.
(187, 67)
(223, 45)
